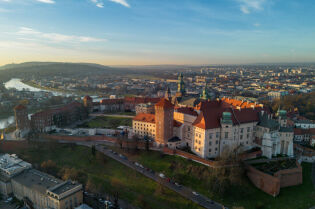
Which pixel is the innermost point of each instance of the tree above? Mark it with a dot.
(116, 204)
(93, 150)
(90, 186)
(147, 143)
(73, 174)
(49, 167)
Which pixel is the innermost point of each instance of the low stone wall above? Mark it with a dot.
(213, 164)
(10, 146)
(272, 184)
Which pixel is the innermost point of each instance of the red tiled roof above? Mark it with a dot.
(20, 107)
(112, 101)
(177, 124)
(139, 100)
(212, 113)
(242, 104)
(301, 131)
(187, 110)
(164, 103)
(144, 117)
(87, 98)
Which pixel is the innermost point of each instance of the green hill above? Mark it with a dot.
(25, 70)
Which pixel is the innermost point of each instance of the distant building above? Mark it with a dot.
(304, 124)
(122, 105)
(277, 94)
(48, 120)
(88, 103)
(37, 189)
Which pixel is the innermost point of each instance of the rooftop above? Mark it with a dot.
(11, 165)
(43, 183)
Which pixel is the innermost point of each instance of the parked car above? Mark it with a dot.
(177, 184)
(162, 175)
(195, 193)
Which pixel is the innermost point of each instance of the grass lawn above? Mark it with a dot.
(247, 196)
(107, 174)
(107, 122)
(124, 113)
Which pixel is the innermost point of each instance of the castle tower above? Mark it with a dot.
(164, 119)
(88, 103)
(21, 118)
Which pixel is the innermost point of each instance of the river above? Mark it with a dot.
(16, 83)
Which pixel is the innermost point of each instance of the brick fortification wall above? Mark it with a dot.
(272, 184)
(125, 144)
(290, 177)
(263, 181)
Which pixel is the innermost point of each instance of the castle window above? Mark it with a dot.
(226, 135)
(210, 136)
(217, 134)
(209, 150)
(210, 143)
(216, 142)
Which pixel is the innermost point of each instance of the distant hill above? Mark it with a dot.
(27, 69)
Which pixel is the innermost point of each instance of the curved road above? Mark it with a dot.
(183, 191)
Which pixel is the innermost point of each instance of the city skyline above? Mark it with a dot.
(138, 32)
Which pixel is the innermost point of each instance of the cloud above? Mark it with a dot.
(42, 1)
(46, 1)
(256, 24)
(247, 6)
(4, 10)
(55, 37)
(98, 3)
(122, 2)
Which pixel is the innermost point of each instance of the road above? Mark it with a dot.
(183, 191)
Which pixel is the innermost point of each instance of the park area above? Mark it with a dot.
(107, 122)
(240, 193)
(101, 174)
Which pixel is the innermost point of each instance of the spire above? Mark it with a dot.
(168, 93)
(181, 84)
(205, 94)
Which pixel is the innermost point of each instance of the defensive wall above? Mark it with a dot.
(271, 184)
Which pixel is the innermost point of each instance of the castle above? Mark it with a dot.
(211, 127)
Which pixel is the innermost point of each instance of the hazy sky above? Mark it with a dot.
(123, 32)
